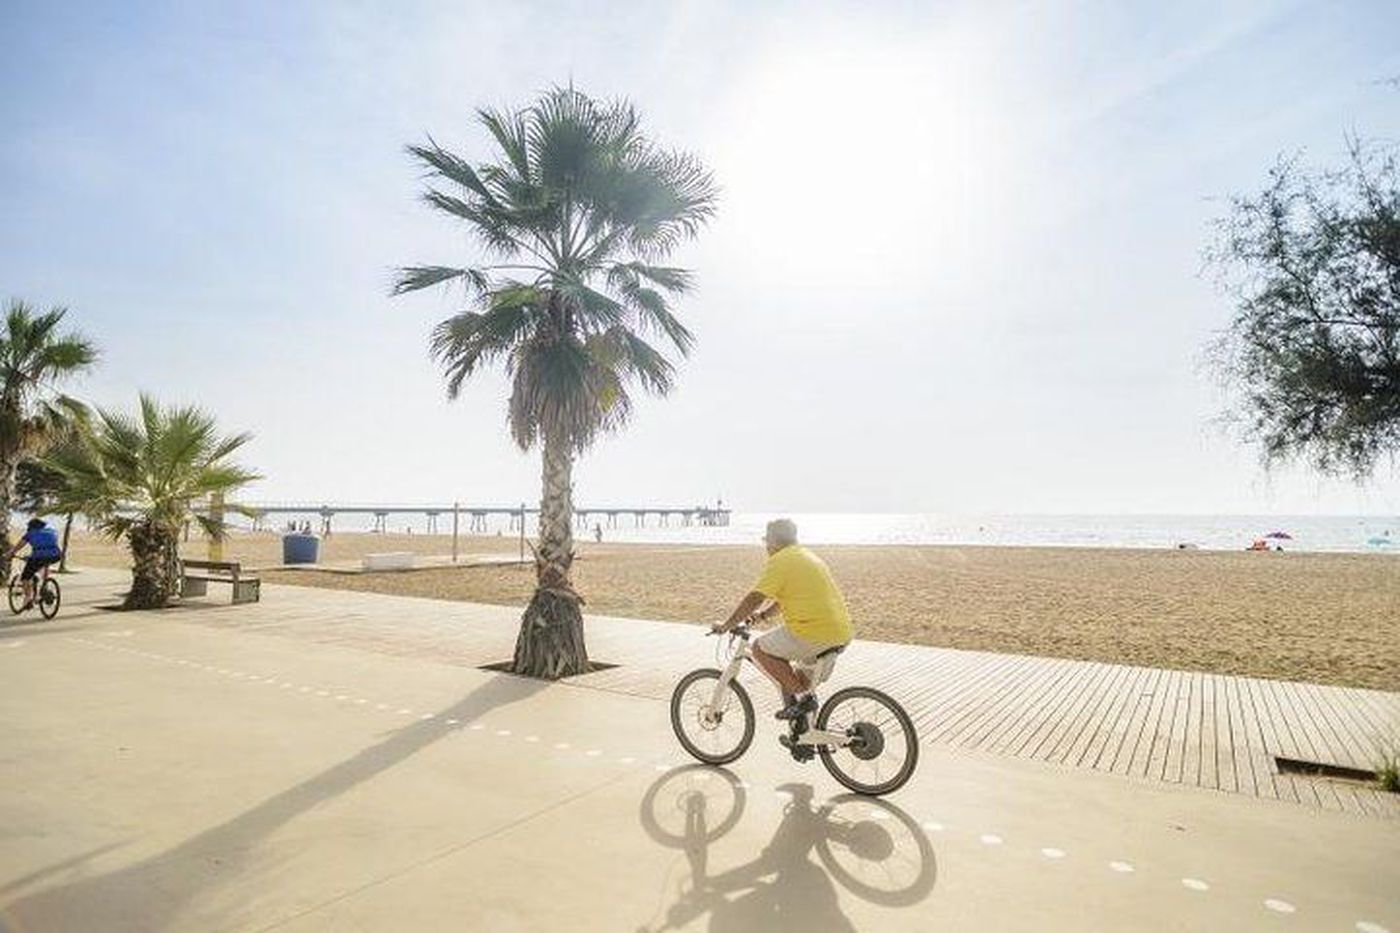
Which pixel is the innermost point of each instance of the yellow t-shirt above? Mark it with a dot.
(812, 606)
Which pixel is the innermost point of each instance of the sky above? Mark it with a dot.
(957, 263)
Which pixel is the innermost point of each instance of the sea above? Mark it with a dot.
(1378, 534)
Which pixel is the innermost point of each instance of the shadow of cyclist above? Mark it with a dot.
(870, 847)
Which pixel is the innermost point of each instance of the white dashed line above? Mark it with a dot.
(14, 644)
(559, 745)
(1052, 852)
(593, 753)
(477, 727)
(990, 839)
(532, 738)
(381, 706)
(1194, 884)
(1280, 907)
(875, 814)
(503, 732)
(628, 760)
(1366, 926)
(1123, 868)
(342, 697)
(405, 712)
(427, 716)
(660, 768)
(933, 826)
(452, 722)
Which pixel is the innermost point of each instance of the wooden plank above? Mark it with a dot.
(971, 689)
(1036, 702)
(1339, 708)
(1029, 687)
(1099, 751)
(1191, 767)
(1305, 735)
(1260, 730)
(1088, 716)
(1165, 733)
(1241, 727)
(1132, 755)
(1043, 719)
(1042, 742)
(988, 696)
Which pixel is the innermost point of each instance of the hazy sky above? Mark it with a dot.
(956, 265)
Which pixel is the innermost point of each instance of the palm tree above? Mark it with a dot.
(142, 478)
(575, 215)
(34, 357)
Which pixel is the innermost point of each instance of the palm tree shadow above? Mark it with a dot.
(149, 894)
(870, 847)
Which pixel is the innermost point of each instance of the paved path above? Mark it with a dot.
(1208, 730)
(260, 768)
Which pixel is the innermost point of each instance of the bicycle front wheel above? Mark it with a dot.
(49, 597)
(882, 747)
(716, 730)
(16, 595)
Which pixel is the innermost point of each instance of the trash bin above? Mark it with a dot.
(300, 549)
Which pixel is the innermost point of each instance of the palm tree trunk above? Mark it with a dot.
(151, 550)
(67, 529)
(7, 497)
(550, 644)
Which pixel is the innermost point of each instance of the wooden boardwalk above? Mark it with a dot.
(1213, 731)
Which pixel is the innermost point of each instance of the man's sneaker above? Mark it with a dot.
(807, 704)
(799, 752)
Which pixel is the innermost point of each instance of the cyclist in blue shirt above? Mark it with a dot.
(43, 550)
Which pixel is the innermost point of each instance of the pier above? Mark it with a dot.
(478, 516)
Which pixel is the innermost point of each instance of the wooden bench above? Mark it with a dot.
(246, 588)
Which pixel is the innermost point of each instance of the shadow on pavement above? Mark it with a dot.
(149, 894)
(870, 847)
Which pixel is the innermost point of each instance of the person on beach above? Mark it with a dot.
(798, 584)
(43, 550)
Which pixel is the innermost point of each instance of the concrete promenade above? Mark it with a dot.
(334, 761)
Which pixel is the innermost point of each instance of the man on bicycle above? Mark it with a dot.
(43, 550)
(798, 584)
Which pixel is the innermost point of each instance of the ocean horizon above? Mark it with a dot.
(1327, 533)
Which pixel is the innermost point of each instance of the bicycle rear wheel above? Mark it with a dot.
(884, 747)
(714, 732)
(49, 597)
(16, 595)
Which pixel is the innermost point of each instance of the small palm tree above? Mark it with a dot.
(577, 211)
(34, 358)
(142, 479)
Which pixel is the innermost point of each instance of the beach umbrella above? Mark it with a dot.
(1280, 535)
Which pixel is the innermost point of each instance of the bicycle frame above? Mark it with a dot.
(810, 737)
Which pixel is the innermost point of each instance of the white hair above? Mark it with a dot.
(782, 532)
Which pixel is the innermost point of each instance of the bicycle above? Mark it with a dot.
(875, 851)
(854, 729)
(47, 594)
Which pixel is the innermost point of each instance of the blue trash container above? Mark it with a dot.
(300, 549)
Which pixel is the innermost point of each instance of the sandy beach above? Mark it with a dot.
(1328, 618)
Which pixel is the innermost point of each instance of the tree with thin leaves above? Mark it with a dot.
(574, 220)
(35, 357)
(1313, 262)
(144, 478)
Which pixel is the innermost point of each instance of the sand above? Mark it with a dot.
(1327, 618)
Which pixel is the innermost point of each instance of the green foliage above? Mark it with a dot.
(149, 470)
(34, 356)
(578, 209)
(1388, 773)
(1314, 348)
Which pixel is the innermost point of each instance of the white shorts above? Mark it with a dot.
(780, 642)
